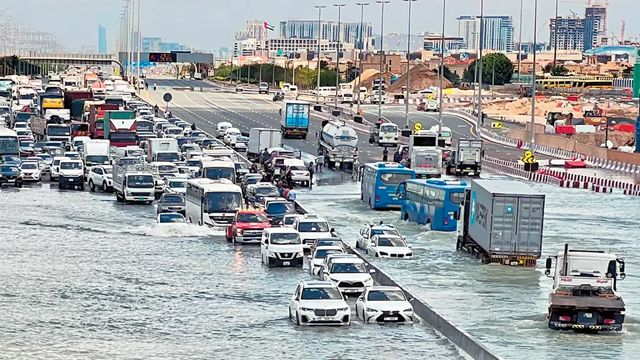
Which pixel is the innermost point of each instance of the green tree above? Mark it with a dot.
(496, 68)
(559, 70)
(450, 75)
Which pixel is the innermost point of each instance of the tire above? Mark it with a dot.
(19, 184)
(357, 244)
(304, 137)
(297, 319)
(92, 186)
(118, 197)
(105, 187)
(226, 235)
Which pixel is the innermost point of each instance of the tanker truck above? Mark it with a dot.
(338, 143)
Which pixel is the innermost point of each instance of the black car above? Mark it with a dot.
(256, 194)
(171, 203)
(276, 209)
(10, 174)
(278, 96)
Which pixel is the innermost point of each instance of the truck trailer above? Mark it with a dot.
(120, 128)
(262, 138)
(466, 159)
(295, 119)
(338, 143)
(502, 222)
(584, 296)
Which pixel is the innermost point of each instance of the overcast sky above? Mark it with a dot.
(210, 24)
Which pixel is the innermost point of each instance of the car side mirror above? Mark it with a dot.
(372, 271)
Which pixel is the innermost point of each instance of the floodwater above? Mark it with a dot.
(505, 307)
(84, 277)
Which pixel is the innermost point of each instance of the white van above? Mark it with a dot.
(221, 128)
(281, 246)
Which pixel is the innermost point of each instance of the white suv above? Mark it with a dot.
(319, 303)
(71, 174)
(368, 231)
(311, 227)
(281, 247)
(101, 176)
(349, 274)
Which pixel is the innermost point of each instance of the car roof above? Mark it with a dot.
(382, 288)
(386, 236)
(315, 283)
(327, 247)
(311, 217)
(281, 230)
(347, 259)
(250, 211)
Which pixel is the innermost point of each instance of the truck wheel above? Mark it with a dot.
(118, 197)
(92, 186)
(226, 235)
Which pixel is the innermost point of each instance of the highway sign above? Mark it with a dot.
(417, 127)
(496, 124)
(162, 57)
(167, 97)
(528, 158)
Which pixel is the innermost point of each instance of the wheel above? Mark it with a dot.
(118, 197)
(200, 222)
(304, 137)
(268, 262)
(92, 186)
(18, 184)
(297, 319)
(105, 187)
(357, 244)
(226, 235)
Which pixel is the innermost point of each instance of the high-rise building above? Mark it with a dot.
(497, 32)
(573, 33)
(598, 14)
(432, 42)
(308, 29)
(102, 40)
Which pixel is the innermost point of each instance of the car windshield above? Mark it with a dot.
(386, 129)
(445, 133)
(173, 199)
(45, 157)
(167, 157)
(392, 242)
(386, 295)
(9, 158)
(322, 253)
(97, 159)
(6, 168)
(69, 165)
(298, 168)
(176, 184)
(348, 268)
(289, 220)
(108, 170)
(29, 166)
(285, 239)
(280, 208)
(323, 293)
(313, 226)
(167, 168)
(140, 181)
(58, 130)
(222, 201)
(267, 191)
(220, 173)
(252, 218)
(26, 143)
(384, 232)
(194, 163)
(171, 218)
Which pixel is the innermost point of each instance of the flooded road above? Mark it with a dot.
(505, 307)
(84, 277)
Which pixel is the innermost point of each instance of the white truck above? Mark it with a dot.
(424, 155)
(133, 181)
(163, 150)
(584, 296)
(262, 138)
(95, 152)
(338, 143)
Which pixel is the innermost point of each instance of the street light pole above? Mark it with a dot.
(408, 83)
(555, 40)
(480, 46)
(319, 7)
(359, 59)
(533, 77)
(381, 76)
(139, 45)
(440, 95)
(339, 6)
(520, 43)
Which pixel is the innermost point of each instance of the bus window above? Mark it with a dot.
(394, 179)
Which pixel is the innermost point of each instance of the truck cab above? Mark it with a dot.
(584, 296)
(466, 159)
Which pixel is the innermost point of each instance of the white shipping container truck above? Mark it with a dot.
(261, 138)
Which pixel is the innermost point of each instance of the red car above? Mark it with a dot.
(247, 227)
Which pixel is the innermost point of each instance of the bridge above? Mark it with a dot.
(48, 62)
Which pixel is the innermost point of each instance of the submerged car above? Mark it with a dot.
(10, 174)
(384, 304)
(171, 218)
(319, 303)
(171, 203)
(389, 246)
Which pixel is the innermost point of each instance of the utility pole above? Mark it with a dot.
(520, 43)
(555, 40)
(339, 6)
(139, 45)
(359, 59)
(381, 76)
(480, 46)
(319, 7)
(533, 77)
(408, 83)
(440, 95)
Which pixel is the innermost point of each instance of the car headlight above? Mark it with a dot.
(306, 309)
(300, 254)
(272, 254)
(371, 310)
(239, 231)
(382, 253)
(409, 254)
(343, 309)
(368, 282)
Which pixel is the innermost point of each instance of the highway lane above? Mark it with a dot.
(164, 82)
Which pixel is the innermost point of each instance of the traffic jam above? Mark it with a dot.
(86, 132)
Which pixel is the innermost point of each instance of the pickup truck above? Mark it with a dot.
(247, 227)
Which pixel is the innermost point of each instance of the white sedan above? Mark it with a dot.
(319, 303)
(384, 304)
(317, 258)
(389, 246)
(31, 171)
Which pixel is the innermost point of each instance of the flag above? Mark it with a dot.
(267, 26)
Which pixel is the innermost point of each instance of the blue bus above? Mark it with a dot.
(379, 183)
(434, 201)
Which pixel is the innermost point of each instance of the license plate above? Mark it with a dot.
(139, 198)
(393, 318)
(351, 290)
(70, 180)
(286, 263)
(325, 318)
(588, 315)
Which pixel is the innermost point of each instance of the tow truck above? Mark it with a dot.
(584, 296)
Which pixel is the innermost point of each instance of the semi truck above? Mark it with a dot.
(71, 95)
(50, 101)
(338, 143)
(162, 150)
(133, 182)
(120, 128)
(502, 222)
(96, 118)
(295, 119)
(51, 129)
(262, 138)
(584, 296)
(466, 159)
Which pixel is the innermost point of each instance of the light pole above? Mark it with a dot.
(555, 40)
(359, 59)
(139, 45)
(440, 95)
(480, 45)
(408, 83)
(520, 43)
(381, 76)
(339, 6)
(533, 77)
(319, 7)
